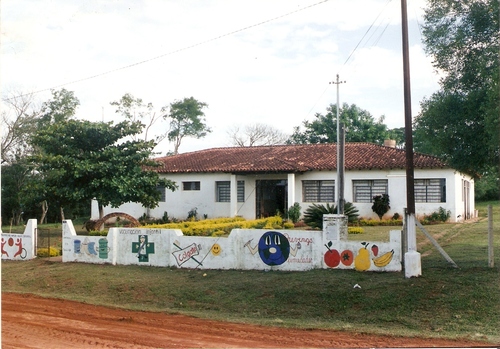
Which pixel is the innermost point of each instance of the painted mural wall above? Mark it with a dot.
(260, 249)
(20, 246)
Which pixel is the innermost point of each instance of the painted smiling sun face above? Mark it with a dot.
(274, 248)
(216, 249)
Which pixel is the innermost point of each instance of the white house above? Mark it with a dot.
(255, 182)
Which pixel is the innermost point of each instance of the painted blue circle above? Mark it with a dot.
(274, 248)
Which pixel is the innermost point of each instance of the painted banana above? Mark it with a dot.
(384, 259)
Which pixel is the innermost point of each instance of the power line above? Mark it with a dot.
(175, 51)
(357, 46)
(367, 31)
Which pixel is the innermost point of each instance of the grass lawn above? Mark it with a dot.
(443, 302)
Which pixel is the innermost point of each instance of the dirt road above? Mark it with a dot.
(33, 322)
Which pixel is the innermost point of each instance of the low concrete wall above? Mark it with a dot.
(20, 246)
(260, 249)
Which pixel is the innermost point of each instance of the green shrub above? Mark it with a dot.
(294, 212)
(376, 222)
(441, 215)
(355, 230)
(97, 233)
(218, 233)
(288, 225)
(192, 214)
(221, 226)
(51, 252)
(313, 216)
(381, 205)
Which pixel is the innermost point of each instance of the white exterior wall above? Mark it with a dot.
(397, 191)
(180, 202)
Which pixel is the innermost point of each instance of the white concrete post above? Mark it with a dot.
(291, 189)
(413, 267)
(335, 227)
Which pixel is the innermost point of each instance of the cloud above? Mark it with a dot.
(267, 61)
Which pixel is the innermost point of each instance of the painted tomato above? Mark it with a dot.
(332, 258)
(347, 257)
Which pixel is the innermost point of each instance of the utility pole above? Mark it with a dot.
(340, 154)
(412, 260)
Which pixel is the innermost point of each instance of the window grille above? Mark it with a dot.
(318, 191)
(223, 191)
(365, 190)
(430, 190)
(241, 191)
(191, 185)
(161, 190)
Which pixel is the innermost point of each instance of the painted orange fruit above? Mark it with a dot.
(347, 257)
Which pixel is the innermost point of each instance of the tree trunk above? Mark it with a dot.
(101, 214)
(45, 208)
(62, 214)
(16, 217)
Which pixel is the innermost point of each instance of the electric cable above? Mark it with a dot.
(175, 51)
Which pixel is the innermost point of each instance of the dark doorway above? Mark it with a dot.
(271, 197)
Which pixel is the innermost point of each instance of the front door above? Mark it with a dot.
(271, 197)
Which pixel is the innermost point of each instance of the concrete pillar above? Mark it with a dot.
(335, 227)
(291, 189)
(234, 197)
(413, 266)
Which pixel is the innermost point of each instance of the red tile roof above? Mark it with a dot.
(293, 158)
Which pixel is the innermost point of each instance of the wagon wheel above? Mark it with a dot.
(133, 222)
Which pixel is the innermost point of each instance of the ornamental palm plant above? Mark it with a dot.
(313, 215)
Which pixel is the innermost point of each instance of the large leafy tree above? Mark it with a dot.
(82, 160)
(460, 123)
(187, 119)
(359, 124)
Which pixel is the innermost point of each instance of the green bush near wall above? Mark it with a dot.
(355, 230)
(223, 226)
(51, 252)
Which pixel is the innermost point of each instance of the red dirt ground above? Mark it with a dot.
(32, 322)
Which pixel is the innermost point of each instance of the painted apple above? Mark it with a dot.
(375, 250)
(347, 257)
(332, 258)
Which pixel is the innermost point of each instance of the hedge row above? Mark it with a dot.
(223, 226)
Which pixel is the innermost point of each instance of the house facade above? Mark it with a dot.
(255, 182)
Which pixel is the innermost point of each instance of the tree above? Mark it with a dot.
(60, 108)
(256, 134)
(17, 125)
(381, 205)
(14, 177)
(360, 127)
(82, 160)
(134, 109)
(187, 119)
(460, 122)
(450, 128)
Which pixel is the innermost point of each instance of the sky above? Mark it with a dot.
(252, 61)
